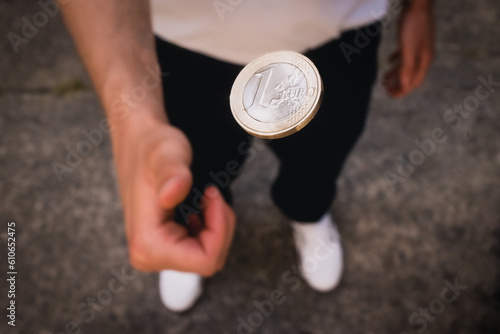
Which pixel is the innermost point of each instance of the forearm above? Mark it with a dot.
(116, 43)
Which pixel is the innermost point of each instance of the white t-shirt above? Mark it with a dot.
(241, 30)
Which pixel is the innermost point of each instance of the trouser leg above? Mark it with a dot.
(311, 160)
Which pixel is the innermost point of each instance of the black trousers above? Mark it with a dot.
(196, 90)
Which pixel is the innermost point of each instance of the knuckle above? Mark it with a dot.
(155, 148)
(145, 146)
(177, 143)
(183, 169)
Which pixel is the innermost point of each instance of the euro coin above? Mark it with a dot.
(276, 94)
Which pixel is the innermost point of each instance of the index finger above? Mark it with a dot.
(219, 227)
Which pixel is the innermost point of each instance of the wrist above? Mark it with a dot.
(129, 127)
(133, 103)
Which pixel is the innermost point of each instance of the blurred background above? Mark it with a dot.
(405, 241)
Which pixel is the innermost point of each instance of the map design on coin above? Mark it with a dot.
(275, 92)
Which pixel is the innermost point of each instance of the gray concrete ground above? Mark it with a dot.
(403, 246)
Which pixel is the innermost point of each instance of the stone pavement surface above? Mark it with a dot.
(421, 250)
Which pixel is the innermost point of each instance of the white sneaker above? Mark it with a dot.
(320, 253)
(179, 291)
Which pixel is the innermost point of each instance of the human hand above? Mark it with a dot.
(154, 177)
(411, 61)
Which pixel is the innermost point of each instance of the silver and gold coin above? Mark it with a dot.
(276, 94)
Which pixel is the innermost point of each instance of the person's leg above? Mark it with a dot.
(196, 90)
(311, 159)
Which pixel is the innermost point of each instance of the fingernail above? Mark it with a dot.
(212, 192)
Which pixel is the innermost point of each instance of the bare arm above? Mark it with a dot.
(412, 59)
(115, 41)
(152, 158)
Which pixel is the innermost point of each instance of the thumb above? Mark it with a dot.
(172, 179)
(175, 187)
(168, 162)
